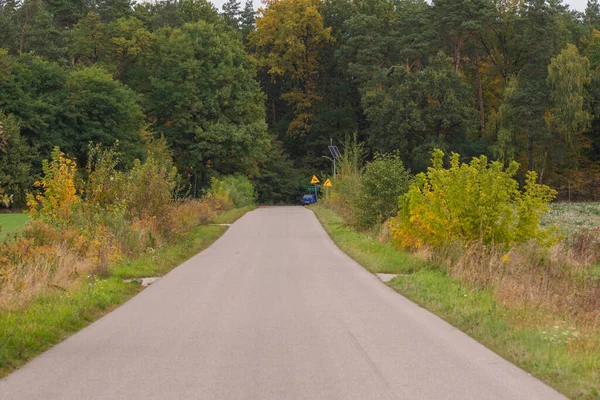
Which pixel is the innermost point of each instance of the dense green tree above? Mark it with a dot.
(524, 134)
(16, 161)
(457, 21)
(413, 112)
(202, 97)
(89, 40)
(592, 14)
(102, 110)
(278, 181)
(35, 92)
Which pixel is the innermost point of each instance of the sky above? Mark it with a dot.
(578, 5)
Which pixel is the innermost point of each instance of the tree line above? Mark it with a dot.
(116, 73)
(261, 94)
(514, 80)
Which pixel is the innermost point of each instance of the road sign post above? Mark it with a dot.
(327, 185)
(314, 182)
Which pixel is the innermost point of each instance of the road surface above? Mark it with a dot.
(272, 310)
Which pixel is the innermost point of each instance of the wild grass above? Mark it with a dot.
(554, 346)
(49, 257)
(10, 223)
(54, 315)
(573, 217)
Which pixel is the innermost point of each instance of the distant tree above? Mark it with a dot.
(128, 42)
(288, 37)
(89, 40)
(523, 134)
(232, 13)
(457, 21)
(110, 10)
(16, 161)
(102, 110)
(415, 112)
(247, 18)
(592, 14)
(35, 93)
(201, 93)
(568, 117)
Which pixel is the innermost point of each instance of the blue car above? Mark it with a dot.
(309, 199)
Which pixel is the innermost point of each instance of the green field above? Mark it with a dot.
(573, 217)
(10, 223)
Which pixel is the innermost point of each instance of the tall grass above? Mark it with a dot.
(82, 227)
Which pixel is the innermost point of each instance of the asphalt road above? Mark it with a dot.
(273, 310)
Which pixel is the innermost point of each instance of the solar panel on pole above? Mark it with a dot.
(335, 152)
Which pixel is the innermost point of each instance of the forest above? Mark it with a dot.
(261, 94)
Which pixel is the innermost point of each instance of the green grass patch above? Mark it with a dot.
(573, 217)
(10, 223)
(560, 353)
(52, 317)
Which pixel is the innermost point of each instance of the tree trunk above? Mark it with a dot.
(457, 49)
(530, 150)
(480, 94)
(26, 6)
(543, 169)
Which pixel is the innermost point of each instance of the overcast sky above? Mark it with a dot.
(578, 5)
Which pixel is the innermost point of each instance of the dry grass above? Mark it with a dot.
(563, 279)
(50, 258)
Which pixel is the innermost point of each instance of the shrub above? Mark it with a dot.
(105, 185)
(383, 181)
(58, 197)
(346, 185)
(236, 187)
(150, 186)
(479, 201)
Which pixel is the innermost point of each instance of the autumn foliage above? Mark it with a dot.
(476, 201)
(83, 223)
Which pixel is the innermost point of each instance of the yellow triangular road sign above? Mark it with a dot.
(314, 180)
(327, 183)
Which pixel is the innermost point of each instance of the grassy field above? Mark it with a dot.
(573, 217)
(551, 348)
(10, 223)
(52, 317)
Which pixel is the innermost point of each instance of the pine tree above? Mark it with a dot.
(232, 13)
(592, 14)
(247, 18)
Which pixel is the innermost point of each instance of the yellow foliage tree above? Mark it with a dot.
(287, 39)
(479, 201)
(58, 194)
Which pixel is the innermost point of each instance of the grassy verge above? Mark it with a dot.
(10, 223)
(553, 349)
(52, 317)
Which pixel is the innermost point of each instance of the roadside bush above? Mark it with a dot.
(120, 214)
(236, 187)
(105, 185)
(58, 196)
(347, 183)
(150, 186)
(479, 201)
(383, 181)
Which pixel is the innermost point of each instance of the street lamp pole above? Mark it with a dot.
(333, 161)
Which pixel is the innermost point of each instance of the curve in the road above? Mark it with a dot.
(272, 310)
